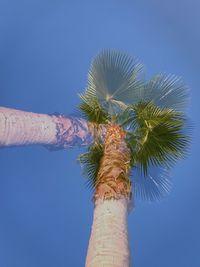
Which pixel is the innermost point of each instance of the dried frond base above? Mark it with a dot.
(113, 190)
(113, 180)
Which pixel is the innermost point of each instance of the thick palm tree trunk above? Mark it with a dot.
(57, 131)
(108, 245)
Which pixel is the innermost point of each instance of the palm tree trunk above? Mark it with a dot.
(57, 131)
(109, 245)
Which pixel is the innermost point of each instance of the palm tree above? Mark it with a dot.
(55, 131)
(135, 130)
(144, 136)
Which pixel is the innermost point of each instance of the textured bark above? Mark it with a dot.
(113, 177)
(57, 131)
(109, 245)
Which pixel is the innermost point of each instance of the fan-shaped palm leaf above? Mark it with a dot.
(153, 186)
(166, 91)
(159, 136)
(114, 76)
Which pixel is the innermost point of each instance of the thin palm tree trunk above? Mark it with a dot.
(109, 245)
(57, 131)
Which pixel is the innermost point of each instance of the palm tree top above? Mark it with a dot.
(150, 112)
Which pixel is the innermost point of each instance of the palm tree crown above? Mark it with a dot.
(149, 112)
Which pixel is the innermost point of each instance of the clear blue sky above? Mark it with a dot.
(45, 52)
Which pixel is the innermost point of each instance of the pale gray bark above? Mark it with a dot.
(109, 244)
(57, 131)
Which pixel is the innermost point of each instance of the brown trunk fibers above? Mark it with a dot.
(113, 177)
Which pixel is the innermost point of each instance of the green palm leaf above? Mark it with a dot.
(159, 136)
(166, 91)
(114, 76)
(153, 186)
(90, 162)
(92, 110)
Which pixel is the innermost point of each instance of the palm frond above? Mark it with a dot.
(153, 186)
(114, 76)
(90, 162)
(166, 91)
(91, 108)
(159, 136)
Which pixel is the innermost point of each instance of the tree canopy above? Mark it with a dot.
(151, 112)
